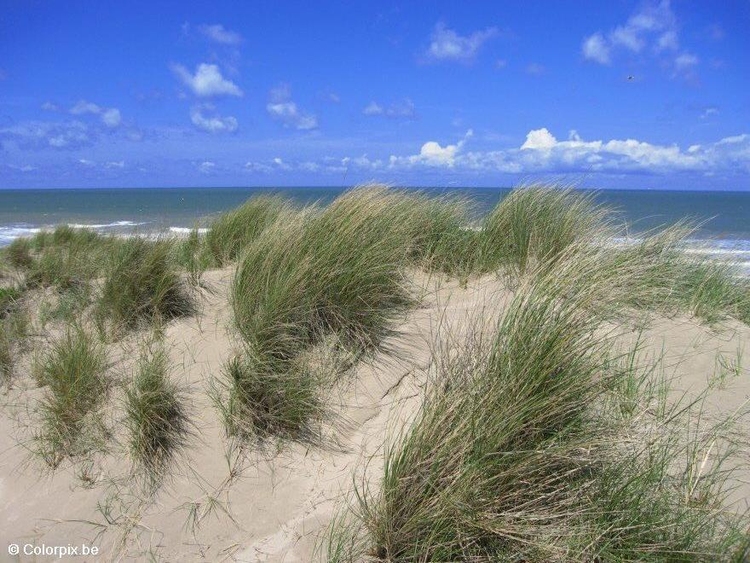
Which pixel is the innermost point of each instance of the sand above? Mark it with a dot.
(271, 505)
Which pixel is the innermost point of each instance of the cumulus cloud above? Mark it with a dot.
(212, 123)
(447, 45)
(111, 117)
(400, 109)
(541, 153)
(219, 34)
(595, 48)
(432, 154)
(207, 81)
(281, 108)
(654, 26)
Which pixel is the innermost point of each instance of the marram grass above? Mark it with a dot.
(528, 446)
(73, 372)
(155, 416)
(141, 284)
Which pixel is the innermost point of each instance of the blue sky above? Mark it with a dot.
(615, 94)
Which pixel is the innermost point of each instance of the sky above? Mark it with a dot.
(616, 94)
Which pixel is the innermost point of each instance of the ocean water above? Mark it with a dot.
(724, 217)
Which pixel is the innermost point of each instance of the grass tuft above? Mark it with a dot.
(535, 224)
(234, 230)
(156, 416)
(262, 402)
(73, 371)
(521, 451)
(142, 285)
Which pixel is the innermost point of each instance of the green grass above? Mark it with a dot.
(141, 284)
(337, 271)
(67, 258)
(535, 224)
(231, 232)
(156, 416)
(260, 402)
(530, 446)
(8, 298)
(18, 253)
(73, 372)
(6, 356)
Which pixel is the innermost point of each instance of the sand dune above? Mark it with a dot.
(271, 503)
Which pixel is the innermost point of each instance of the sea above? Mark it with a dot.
(723, 217)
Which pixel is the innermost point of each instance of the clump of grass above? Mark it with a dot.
(515, 455)
(156, 416)
(66, 258)
(535, 224)
(339, 271)
(192, 254)
(233, 231)
(262, 402)
(142, 285)
(18, 254)
(73, 371)
(8, 298)
(6, 356)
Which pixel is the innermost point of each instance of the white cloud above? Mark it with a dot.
(217, 33)
(668, 41)
(110, 116)
(432, 154)
(49, 106)
(207, 81)
(212, 123)
(400, 109)
(539, 139)
(541, 152)
(35, 135)
(447, 45)
(115, 164)
(595, 49)
(283, 109)
(654, 24)
(373, 108)
(85, 107)
(206, 167)
(708, 112)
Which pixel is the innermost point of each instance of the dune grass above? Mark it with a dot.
(534, 224)
(18, 253)
(67, 258)
(73, 372)
(341, 271)
(141, 284)
(156, 416)
(6, 356)
(523, 450)
(231, 232)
